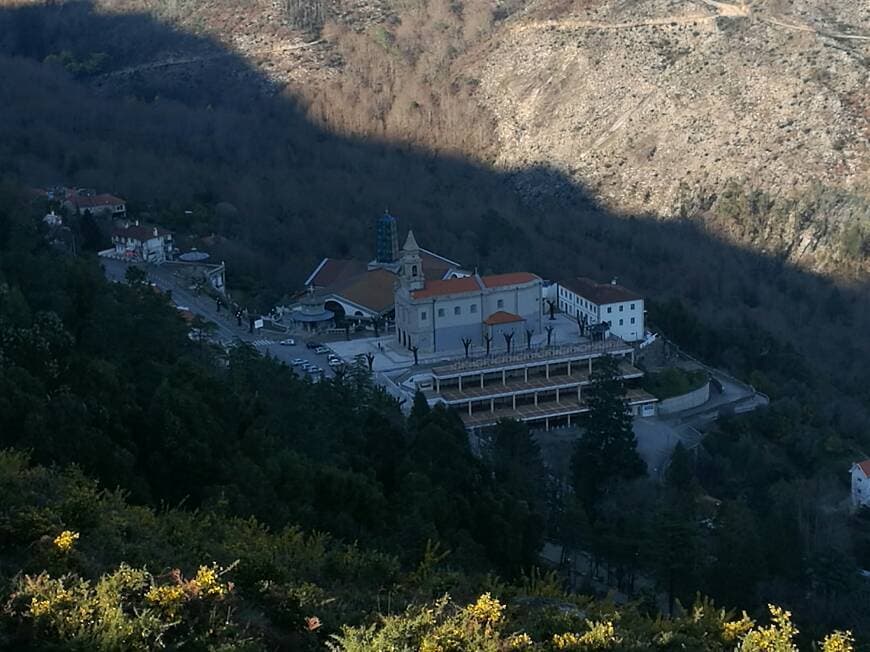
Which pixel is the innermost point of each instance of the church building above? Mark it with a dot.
(441, 314)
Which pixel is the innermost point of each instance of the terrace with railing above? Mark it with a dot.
(610, 346)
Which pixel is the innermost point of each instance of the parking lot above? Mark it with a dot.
(297, 352)
(228, 331)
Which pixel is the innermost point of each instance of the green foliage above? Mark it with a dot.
(607, 449)
(104, 376)
(135, 275)
(673, 382)
(91, 64)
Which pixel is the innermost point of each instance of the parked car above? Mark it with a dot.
(335, 362)
(313, 345)
(288, 342)
(321, 350)
(298, 362)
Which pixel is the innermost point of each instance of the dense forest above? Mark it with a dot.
(103, 376)
(238, 506)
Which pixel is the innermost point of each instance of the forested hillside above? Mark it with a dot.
(239, 507)
(153, 107)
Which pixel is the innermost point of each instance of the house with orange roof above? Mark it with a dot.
(861, 484)
(82, 200)
(441, 314)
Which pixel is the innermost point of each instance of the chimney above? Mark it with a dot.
(155, 231)
(137, 222)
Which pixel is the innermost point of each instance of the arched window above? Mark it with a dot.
(413, 270)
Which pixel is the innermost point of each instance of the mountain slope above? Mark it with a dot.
(655, 104)
(653, 107)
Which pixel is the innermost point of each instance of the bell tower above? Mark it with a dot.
(412, 265)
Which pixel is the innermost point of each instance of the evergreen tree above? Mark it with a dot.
(608, 448)
(419, 411)
(673, 552)
(517, 462)
(739, 560)
(680, 475)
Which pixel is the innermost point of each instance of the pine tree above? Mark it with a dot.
(517, 462)
(420, 411)
(608, 448)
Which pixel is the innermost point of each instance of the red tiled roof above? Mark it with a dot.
(139, 232)
(502, 317)
(865, 467)
(514, 278)
(470, 284)
(95, 201)
(372, 289)
(436, 266)
(439, 288)
(333, 270)
(599, 293)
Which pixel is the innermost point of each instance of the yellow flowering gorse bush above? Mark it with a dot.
(65, 540)
(486, 611)
(734, 630)
(839, 642)
(776, 637)
(601, 636)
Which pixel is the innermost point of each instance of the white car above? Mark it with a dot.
(335, 363)
(298, 362)
(288, 342)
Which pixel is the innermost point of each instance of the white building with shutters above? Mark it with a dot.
(597, 303)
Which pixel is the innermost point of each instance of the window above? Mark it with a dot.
(423, 316)
(500, 303)
(620, 322)
(621, 307)
(609, 309)
(632, 320)
(440, 312)
(631, 307)
(457, 310)
(473, 307)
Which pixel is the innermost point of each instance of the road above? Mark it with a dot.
(228, 330)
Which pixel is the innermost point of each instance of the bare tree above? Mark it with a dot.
(549, 330)
(414, 350)
(508, 338)
(488, 339)
(582, 323)
(552, 307)
(529, 333)
(308, 15)
(370, 359)
(466, 342)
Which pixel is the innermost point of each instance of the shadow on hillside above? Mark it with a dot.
(215, 137)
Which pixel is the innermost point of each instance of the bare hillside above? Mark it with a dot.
(659, 103)
(754, 116)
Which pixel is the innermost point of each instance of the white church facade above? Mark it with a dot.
(444, 314)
